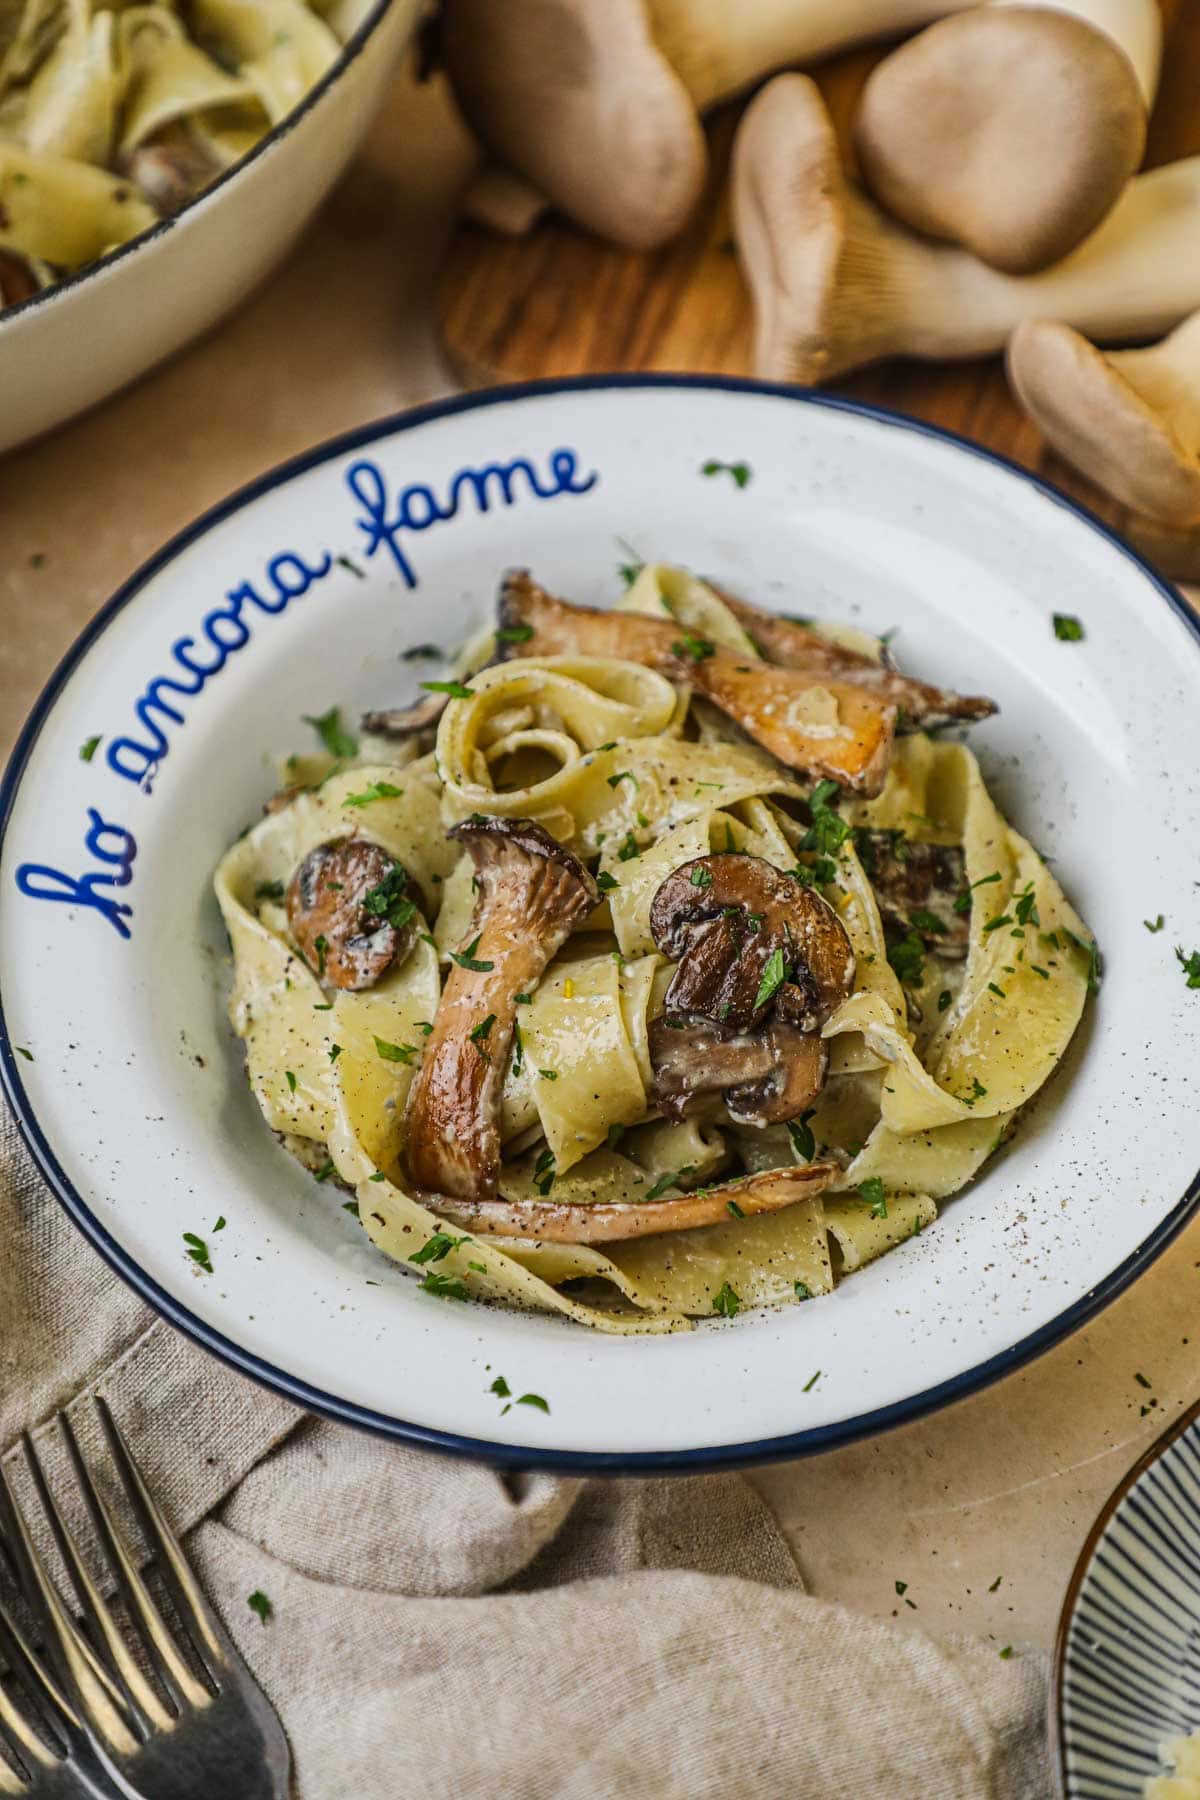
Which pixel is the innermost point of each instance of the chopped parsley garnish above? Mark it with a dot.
(518, 1055)
(22, 1051)
(701, 876)
(378, 790)
(398, 1053)
(803, 1291)
(997, 922)
(817, 874)
(514, 634)
(963, 903)
(88, 750)
(907, 958)
(290, 1079)
(446, 1287)
(998, 991)
(629, 849)
(350, 566)
(773, 977)
(325, 1171)
(606, 882)
(614, 1135)
(436, 1247)
(623, 775)
(425, 1026)
(1095, 967)
(871, 1190)
(629, 572)
(534, 1400)
(927, 921)
(1026, 907)
(220, 1224)
(321, 945)
(1067, 628)
(1007, 1650)
(727, 1301)
(351, 1206)
(466, 959)
(543, 1172)
(258, 1603)
(1157, 924)
(1190, 965)
(421, 653)
(944, 999)
(696, 648)
(457, 690)
(197, 1249)
(548, 1074)
(269, 890)
(335, 1050)
(800, 1132)
(501, 1388)
(669, 1181)
(740, 471)
(329, 729)
(734, 1210)
(977, 1092)
(828, 831)
(811, 1382)
(478, 1035)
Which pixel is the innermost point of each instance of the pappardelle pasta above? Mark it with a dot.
(113, 115)
(667, 962)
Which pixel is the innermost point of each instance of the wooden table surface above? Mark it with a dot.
(1004, 1484)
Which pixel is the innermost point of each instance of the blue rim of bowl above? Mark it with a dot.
(1189, 1417)
(521, 1456)
(348, 53)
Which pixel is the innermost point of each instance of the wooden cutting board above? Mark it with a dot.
(560, 302)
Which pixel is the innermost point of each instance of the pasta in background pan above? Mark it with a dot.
(113, 115)
(599, 1006)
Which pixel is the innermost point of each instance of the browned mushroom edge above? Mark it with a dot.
(761, 963)
(17, 280)
(766, 700)
(918, 887)
(545, 1221)
(351, 909)
(794, 645)
(403, 722)
(531, 894)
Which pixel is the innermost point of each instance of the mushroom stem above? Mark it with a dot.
(836, 284)
(546, 1222)
(1130, 421)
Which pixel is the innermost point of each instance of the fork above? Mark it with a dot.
(47, 1741)
(191, 1737)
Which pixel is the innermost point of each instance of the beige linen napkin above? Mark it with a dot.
(442, 1630)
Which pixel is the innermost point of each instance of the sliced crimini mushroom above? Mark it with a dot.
(1131, 421)
(406, 721)
(825, 727)
(1008, 129)
(796, 646)
(762, 1077)
(545, 1222)
(531, 895)
(749, 941)
(351, 908)
(170, 168)
(919, 887)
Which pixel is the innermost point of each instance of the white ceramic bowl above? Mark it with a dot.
(76, 343)
(135, 1102)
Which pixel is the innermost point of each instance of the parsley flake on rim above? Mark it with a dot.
(1067, 628)
(455, 690)
(197, 1250)
(466, 959)
(1156, 925)
(421, 653)
(328, 727)
(88, 749)
(1190, 965)
(22, 1051)
(811, 1383)
(740, 471)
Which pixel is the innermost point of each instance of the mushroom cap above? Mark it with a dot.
(725, 919)
(407, 721)
(790, 203)
(575, 96)
(1008, 129)
(764, 1077)
(1097, 419)
(351, 908)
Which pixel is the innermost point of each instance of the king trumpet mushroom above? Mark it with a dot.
(595, 104)
(1130, 421)
(836, 284)
(1011, 130)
